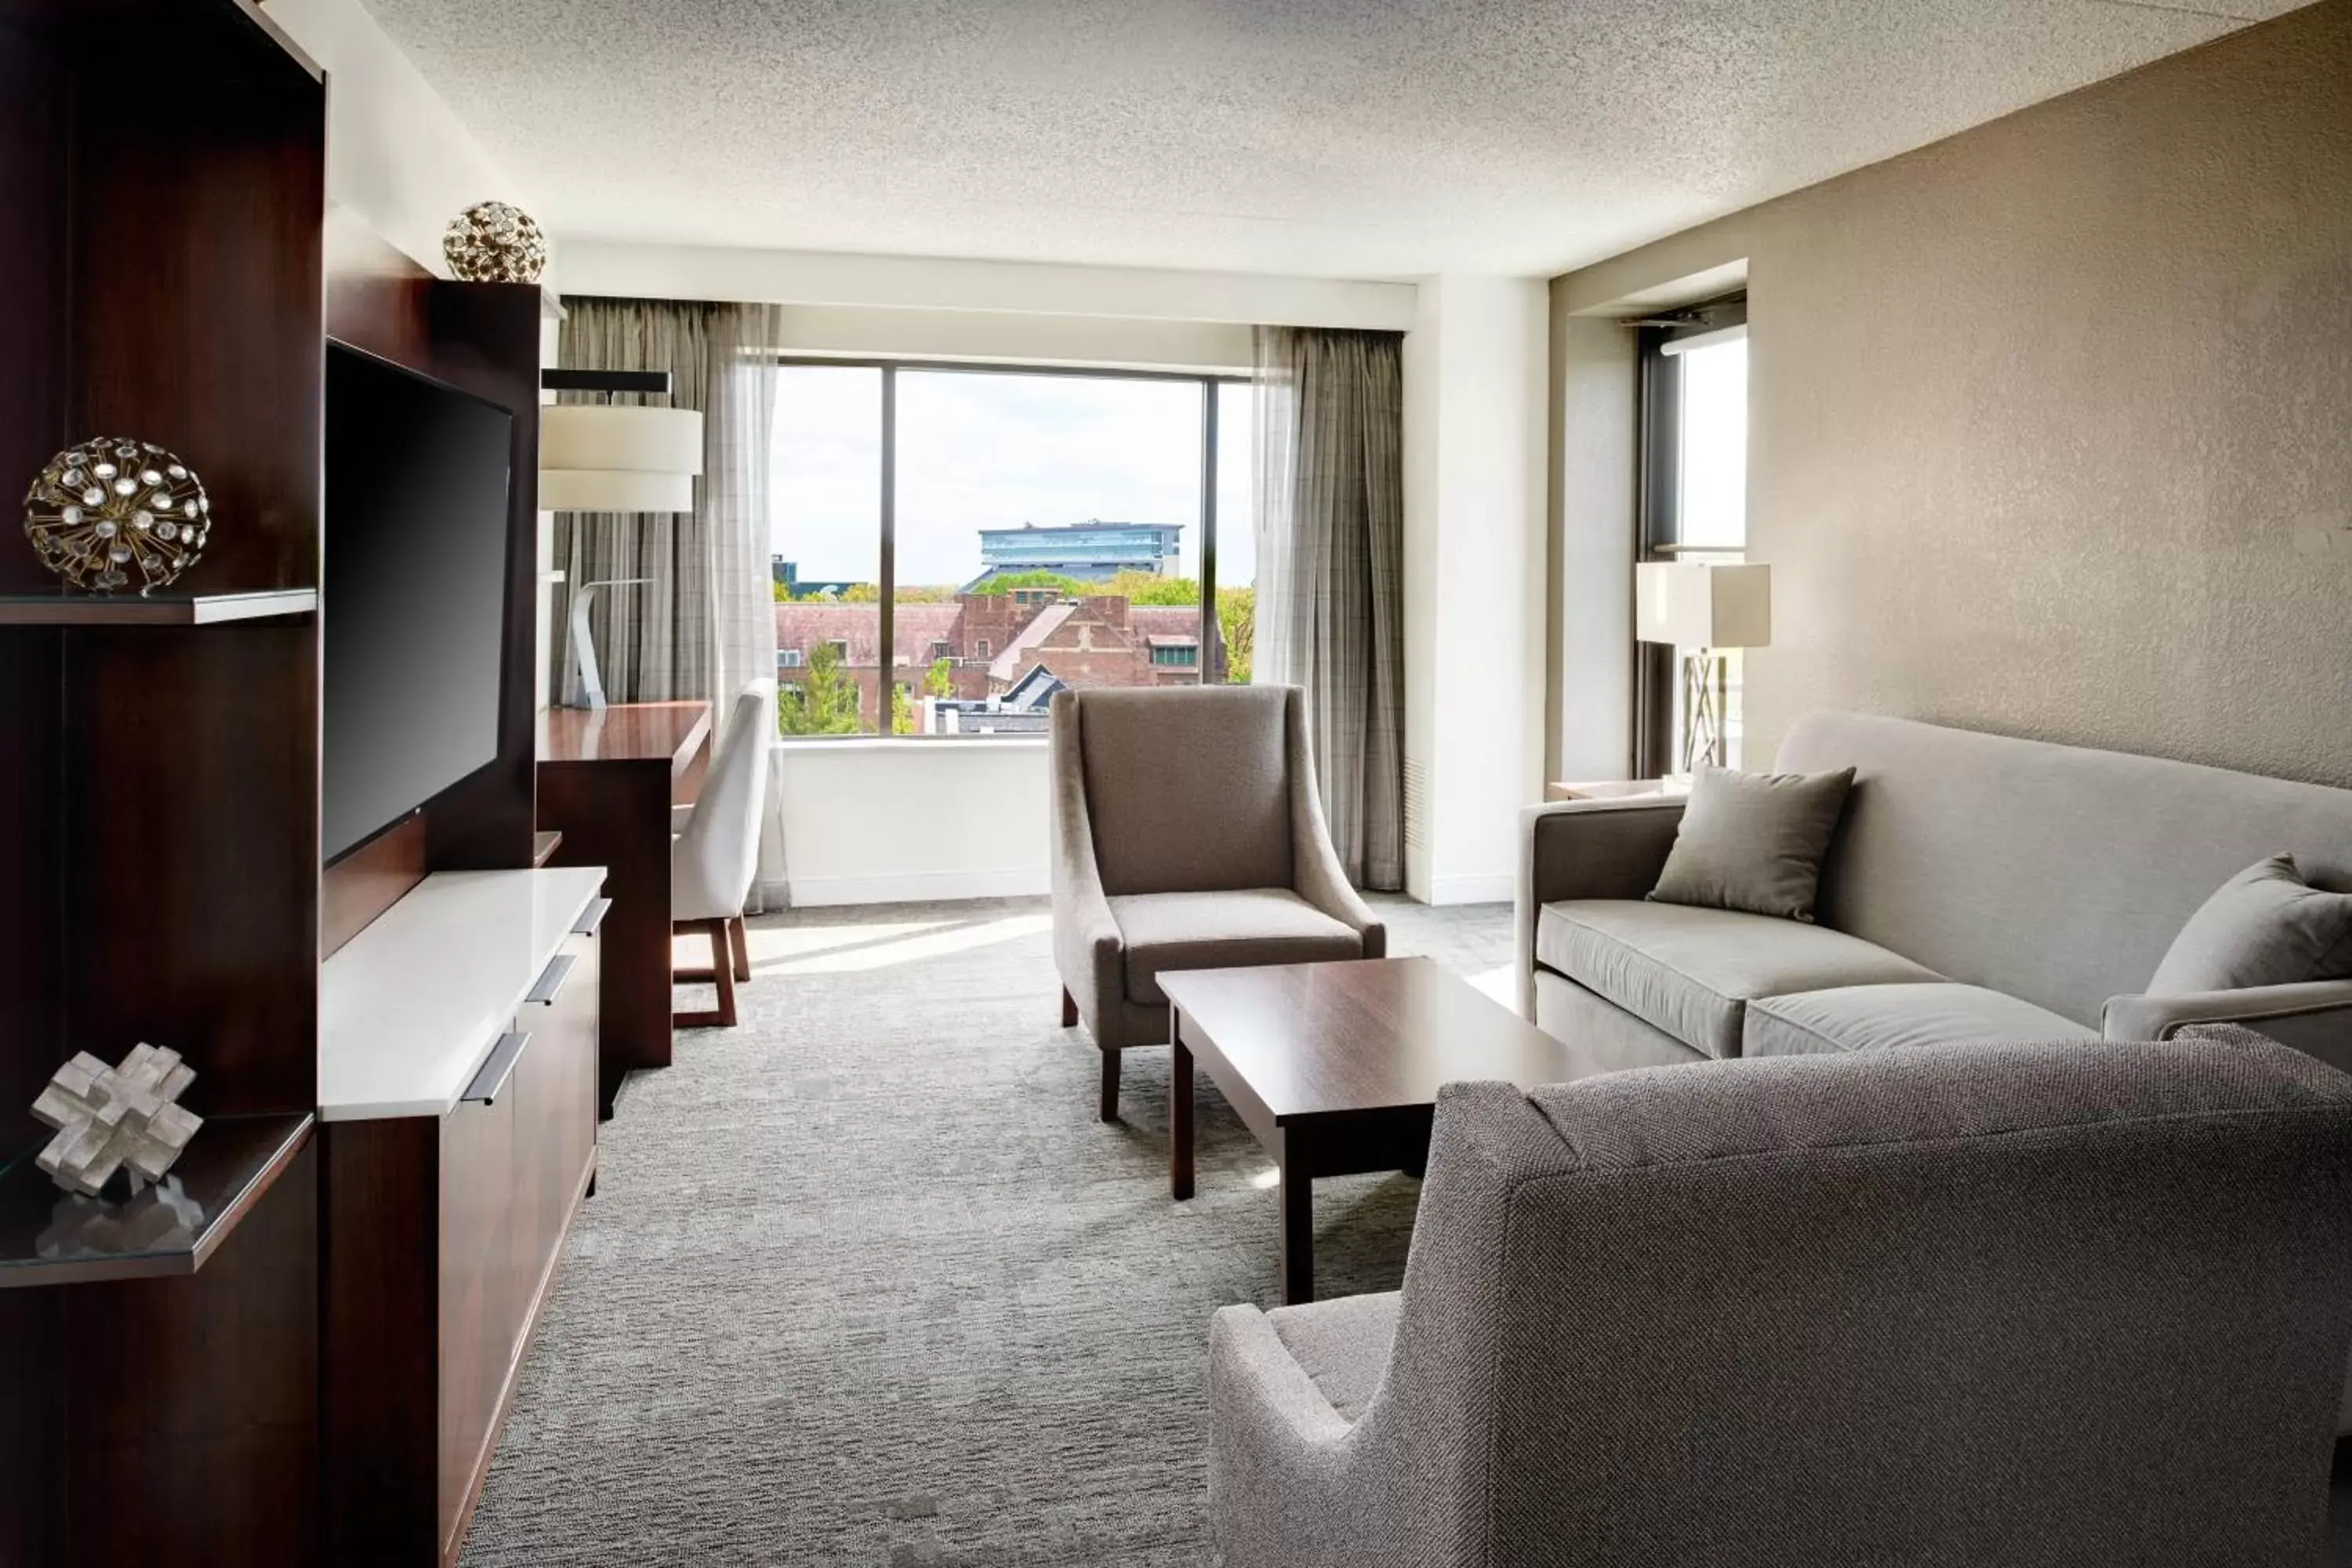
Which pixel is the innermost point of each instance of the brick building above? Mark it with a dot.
(993, 641)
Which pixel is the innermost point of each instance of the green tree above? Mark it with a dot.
(902, 709)
(940, 680)
(827, 701)
(1238, 619)
(1003, 583)
(1151, 588)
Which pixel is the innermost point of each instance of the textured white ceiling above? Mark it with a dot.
(1345, 138)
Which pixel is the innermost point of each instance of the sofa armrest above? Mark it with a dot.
(1587, 849)
(2314, 1017)
(1088, 951)
(1279, 1460)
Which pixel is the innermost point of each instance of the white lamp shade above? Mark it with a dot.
(614, 490)
(1691, 603)
(603, 457)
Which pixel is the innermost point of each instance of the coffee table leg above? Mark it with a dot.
(1297, 1195)
(1179, 1123)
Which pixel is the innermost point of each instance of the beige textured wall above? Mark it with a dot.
(2052, 422)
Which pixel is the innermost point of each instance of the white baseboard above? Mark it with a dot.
(1497, 888)
(1023, 882)
(918, 886)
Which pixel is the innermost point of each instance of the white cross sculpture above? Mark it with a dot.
(107, 1117)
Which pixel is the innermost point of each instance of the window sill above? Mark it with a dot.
(816, 744)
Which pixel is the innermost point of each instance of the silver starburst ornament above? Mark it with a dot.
(492, 242)
(113, 512)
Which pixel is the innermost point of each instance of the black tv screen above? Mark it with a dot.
(413, 591)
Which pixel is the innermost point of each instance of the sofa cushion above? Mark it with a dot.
(1881, 1017)
(1692, 972)
(1230, 929)
(1342, 1346)
(2049, 872)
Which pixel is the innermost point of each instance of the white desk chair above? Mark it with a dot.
(716, 852)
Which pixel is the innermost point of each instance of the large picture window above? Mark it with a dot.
(954, 544)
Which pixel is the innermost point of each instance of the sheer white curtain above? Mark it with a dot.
(1330, 573)
(705, 626)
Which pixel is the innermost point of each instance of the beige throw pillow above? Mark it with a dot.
(1754, 841)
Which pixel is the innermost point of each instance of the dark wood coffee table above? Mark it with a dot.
(1336, 1069)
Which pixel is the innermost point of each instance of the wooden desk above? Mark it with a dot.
(607, 779)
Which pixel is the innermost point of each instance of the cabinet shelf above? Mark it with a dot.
(156, 610)
(49, 1237)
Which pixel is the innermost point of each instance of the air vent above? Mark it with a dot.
(1417, 801)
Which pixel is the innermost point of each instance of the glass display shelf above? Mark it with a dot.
(51, 1237)
(63, 609)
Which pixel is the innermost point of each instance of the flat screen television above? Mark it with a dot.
(412, 594)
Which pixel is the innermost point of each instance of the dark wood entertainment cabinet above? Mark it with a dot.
(314, 1370)
(450, 1182)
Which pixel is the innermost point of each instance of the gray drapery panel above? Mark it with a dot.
(1330, 472)
(705, 626)
(652, 640)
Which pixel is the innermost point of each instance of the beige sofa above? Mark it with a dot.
(1979, 888)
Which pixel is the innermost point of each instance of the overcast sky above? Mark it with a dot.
(1714, 444)
(996, 452)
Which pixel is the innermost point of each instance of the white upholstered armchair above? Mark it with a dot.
(715, 854)
(1188, 833)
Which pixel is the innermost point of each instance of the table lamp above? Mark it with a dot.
(616, 457)
(612, 457)
(1702, 610)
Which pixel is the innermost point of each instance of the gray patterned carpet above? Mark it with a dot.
(867, 1283)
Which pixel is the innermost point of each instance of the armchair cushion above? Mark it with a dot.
(1221, 930)
(1189, 788)
(1692, 972)
(1342, 1346)
(1886, 1017)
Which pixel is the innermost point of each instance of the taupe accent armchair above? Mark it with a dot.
(1187, 835)
(2084, 1303)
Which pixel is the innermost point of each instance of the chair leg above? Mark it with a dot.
(741, 940)
(1069, 1010)
(725, 971)
(1109, 1109)
(721, 974)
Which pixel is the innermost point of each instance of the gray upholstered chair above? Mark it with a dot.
(2083, 1303)
(1187, 835)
